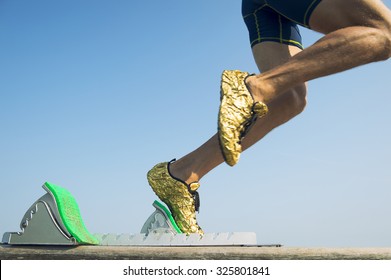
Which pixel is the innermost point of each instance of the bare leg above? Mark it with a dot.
(268, 55)
(354, 38)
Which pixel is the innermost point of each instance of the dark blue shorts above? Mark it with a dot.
(276, 20)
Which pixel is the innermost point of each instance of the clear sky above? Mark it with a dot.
(94, 93)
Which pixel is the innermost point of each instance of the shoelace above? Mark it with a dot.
(192, 188)
(196, 197)
(247, 126)
(195, 194)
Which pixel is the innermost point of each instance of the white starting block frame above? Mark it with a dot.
(42, 225)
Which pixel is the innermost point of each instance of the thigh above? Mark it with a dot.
(268, 55)
(331, 15)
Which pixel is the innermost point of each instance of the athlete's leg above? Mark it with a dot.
(267, 55)
(358, 32)
(176, 183)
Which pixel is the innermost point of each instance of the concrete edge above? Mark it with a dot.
(184, 253)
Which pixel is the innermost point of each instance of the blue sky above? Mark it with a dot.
(94, 93)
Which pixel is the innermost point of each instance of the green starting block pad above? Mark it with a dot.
(55, 219)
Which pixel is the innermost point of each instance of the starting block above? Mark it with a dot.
(55, 219)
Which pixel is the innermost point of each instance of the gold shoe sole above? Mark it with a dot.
(176, 195)
(237, 112)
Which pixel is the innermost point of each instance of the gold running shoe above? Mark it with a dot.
(237, 112)
(181, 199)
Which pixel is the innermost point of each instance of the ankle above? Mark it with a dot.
(259, 89)
(179, 171)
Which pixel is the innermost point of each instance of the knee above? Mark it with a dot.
(299, 98)
(388, 43)
(382, 37)
(287, 106)
(387, 34)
